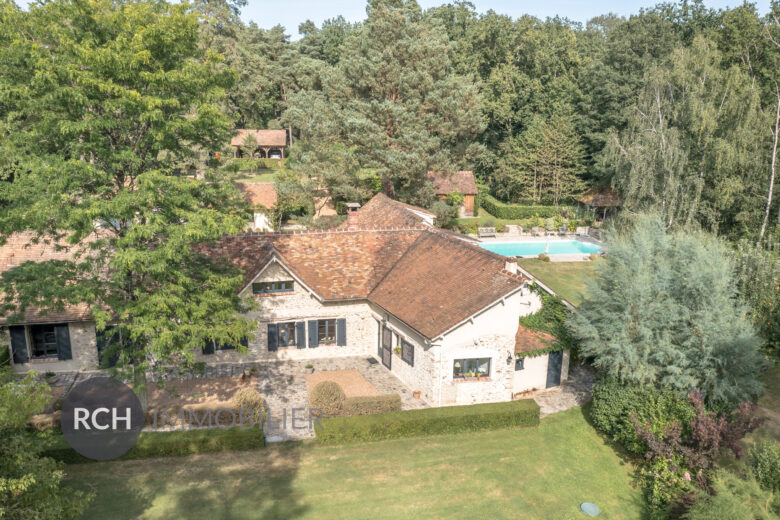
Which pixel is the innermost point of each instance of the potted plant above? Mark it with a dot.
(253, 372)
(51, 377)
(397, 350)
(309, 368)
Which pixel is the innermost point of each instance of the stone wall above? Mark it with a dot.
(300, 305)
(83, 349)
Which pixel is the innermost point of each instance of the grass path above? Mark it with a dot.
(520, 474)
(567, 279)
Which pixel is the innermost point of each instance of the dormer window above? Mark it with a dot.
(272, 287)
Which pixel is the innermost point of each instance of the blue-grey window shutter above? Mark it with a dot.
(341, 332)
(208, 347)
(300, 333)
(272, 337)
(313, 328)
(19, 344)
(63, 342)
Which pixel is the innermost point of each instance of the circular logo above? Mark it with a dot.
(101, 418)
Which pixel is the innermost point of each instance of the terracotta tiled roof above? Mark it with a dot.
(20, 248)
(382, 212)
(275, 138)
(527, 340)
(259, 193)
(441, 281)
(462, 181)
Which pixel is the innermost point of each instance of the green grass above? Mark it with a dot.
(259, 175)
(529, 473)
(567, 279)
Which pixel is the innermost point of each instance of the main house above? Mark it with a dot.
(438, 312)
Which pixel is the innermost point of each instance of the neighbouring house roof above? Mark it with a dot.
(527, 340)
(259, 194)
(462, 181)
(382, 212)
(600, 196)
(273, 138)
(20, 248)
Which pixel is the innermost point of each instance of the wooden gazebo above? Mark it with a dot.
(600, 197)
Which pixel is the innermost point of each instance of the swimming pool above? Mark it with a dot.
(556, 247)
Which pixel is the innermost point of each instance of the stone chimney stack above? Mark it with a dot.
(511, 265)
(353, 219)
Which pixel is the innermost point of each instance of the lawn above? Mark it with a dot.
(567, 279)
(258, 175)
(521, 474)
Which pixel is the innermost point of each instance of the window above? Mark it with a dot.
(272, 287)
(471, 368)
(326, 332)
(407, 352)
(44, 341)
(286, 332)
(519, 363)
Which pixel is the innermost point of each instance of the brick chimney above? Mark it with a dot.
(353, 219)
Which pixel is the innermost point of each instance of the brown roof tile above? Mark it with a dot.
(20, 248)
(462, 181)
(259, 193)
(276, 138)
(382, 212)
(440, 281)
(527, 340)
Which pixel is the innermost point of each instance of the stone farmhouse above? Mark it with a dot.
(438, 312)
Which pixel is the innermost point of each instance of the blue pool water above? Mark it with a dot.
(557, 247)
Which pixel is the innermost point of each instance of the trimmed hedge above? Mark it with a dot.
(428, 421)
(259, 164)
(371, 404)
(513, 212)
(173, 444)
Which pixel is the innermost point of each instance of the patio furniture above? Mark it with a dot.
(582, 231)
(562, 230)
(537, 231)
(486, 232)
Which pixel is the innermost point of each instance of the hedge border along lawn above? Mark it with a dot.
(514, 211)
(172, 444)
(428, 421)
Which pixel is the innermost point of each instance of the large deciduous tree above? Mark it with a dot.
(100, 100)
(663, 311)
(392, 102)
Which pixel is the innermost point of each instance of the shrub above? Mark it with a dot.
(469, 227)
(371, 404)
(250, 399)
(428, 421)
(515, 211)
(543, 257)
(174, 444)
(614, 405)
(663, 483)
(328, 397)
(734, 498)
(765, 465)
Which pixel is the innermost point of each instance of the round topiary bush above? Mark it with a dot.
(248, 399)
(328, 397)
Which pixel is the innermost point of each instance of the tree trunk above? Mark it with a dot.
(140, 387)
(772, 168)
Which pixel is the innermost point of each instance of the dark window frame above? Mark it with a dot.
(291, 339)
(519, 364)
(329, 336)
(283, 286)
(471, 366)
(407, 351)
(34, 336)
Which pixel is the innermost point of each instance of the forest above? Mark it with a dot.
(676, 107)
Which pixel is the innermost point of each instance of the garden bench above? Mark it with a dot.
(486, 232)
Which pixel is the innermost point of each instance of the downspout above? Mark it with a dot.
(441, 353)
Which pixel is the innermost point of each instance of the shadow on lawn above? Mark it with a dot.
(230, 485)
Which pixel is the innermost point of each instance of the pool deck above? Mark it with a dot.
(574, 257)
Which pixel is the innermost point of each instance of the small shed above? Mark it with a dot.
(462, 182)
(259, 144)
(600, 197)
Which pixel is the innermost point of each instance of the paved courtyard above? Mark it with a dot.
(575, 391)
